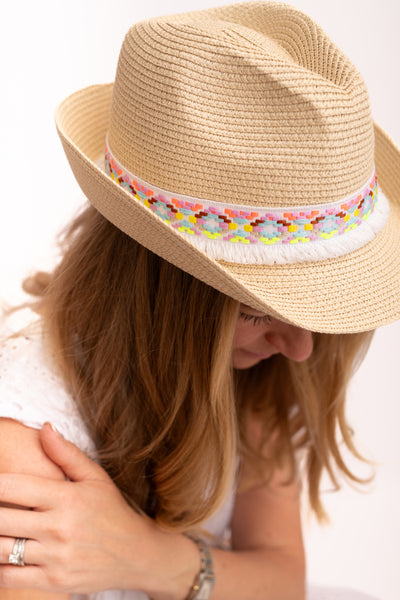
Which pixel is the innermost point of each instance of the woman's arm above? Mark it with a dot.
(21, 452)
(268, 560)
(87, 522)
(30, 595)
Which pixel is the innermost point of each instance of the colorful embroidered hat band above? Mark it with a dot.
(249, 234)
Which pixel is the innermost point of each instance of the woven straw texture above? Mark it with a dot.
(250, 103)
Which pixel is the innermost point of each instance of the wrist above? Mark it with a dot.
(174, 564)
(204, 583)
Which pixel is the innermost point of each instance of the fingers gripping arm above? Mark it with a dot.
(21, 452)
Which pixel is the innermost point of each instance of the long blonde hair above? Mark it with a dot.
(145, 349)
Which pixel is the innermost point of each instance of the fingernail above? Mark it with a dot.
(53, 427)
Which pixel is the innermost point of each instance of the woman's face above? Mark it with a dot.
(259, 336)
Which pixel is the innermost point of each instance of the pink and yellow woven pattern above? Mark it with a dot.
(248, 225)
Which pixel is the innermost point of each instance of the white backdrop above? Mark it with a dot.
(50, 48)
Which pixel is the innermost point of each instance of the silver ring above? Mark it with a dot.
(17, 555)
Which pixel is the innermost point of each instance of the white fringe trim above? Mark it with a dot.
(300, 252)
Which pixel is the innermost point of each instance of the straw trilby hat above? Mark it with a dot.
(238, 144)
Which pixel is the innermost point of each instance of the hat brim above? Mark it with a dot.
(355, 292)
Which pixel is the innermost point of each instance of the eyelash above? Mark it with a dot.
(255, 319)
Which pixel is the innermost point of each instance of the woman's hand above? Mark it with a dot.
(82, 536)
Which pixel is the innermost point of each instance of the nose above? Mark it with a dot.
(291, 341)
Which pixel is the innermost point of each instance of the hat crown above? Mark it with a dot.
(250, 103)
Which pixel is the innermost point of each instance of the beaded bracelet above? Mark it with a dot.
(204, 582)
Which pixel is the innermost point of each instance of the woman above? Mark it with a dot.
(145, 328)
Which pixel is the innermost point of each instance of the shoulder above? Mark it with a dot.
(21, 451)
(280, 466)
(267, 505)
(31, 390)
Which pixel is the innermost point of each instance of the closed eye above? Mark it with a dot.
(255, 319)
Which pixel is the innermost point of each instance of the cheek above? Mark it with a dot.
(244, 334)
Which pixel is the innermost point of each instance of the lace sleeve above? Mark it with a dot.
(31, 393)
